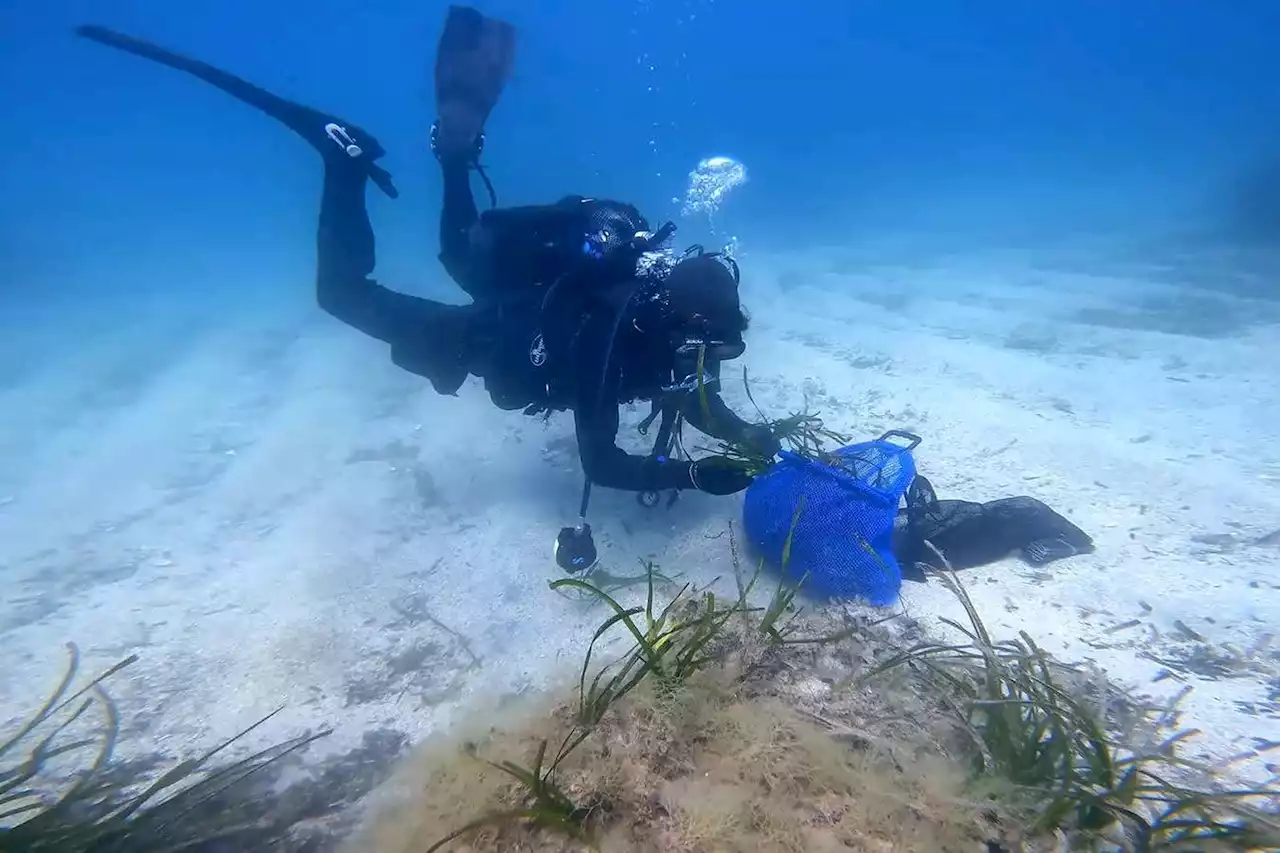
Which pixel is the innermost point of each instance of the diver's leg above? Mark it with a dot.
(331, 136)
(428, 338)
(458, 219)
(474, 58)
(345, 249)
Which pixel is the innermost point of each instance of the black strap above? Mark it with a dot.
(488, 185)
(922, 501)
(666, 428)
(668, 407)
(586, 500)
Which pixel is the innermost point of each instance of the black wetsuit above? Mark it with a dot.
(528, 357)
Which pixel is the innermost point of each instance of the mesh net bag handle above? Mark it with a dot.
(913, 440)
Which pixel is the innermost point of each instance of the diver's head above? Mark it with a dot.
(702, 312)
(689, 317)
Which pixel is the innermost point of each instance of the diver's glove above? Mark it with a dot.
(718, 475)
(762, 439)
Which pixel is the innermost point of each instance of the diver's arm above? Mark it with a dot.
(608, 465)
(709, 414)
(707, 411)
(595, 418)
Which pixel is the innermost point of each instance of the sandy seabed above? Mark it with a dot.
(269, 513)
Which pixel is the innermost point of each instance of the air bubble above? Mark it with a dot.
(710, 183)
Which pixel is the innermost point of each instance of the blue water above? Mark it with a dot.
(979, 117)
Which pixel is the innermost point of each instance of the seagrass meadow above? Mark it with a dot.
(694, 722)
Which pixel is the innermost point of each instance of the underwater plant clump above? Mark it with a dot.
(723, 726)
(1037, 733)
(63, 791)
(718, 762)
(714, 733)
(803, 433)
(708, 734)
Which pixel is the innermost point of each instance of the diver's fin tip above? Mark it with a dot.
(474, 59)
(102, 35)
(382, 180)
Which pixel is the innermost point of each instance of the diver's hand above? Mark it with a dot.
(762, 439)
(718, 475)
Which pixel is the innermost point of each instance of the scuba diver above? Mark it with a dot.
(576, 305)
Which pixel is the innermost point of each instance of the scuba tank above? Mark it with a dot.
(575, 238)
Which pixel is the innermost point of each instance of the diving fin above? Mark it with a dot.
(473, 60)
(331, 136)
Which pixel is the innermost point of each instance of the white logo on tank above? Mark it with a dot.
(538, 351)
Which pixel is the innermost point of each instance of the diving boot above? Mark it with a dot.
(448, 149)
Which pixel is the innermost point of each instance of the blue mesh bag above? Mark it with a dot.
(843, 537)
